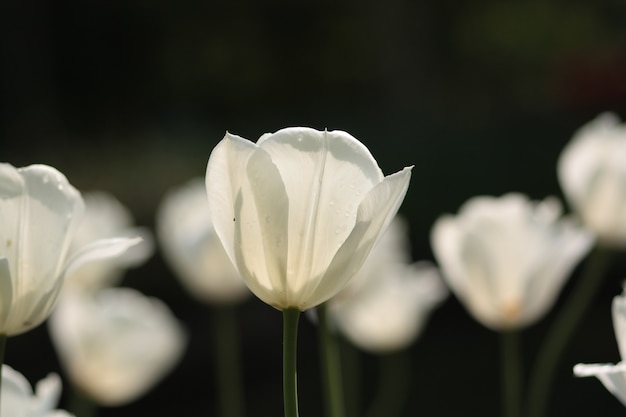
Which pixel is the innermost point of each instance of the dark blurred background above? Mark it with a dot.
(481, 96)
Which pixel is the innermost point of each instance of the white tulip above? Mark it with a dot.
(115, 344)
(39, 211)
(299, 211)
(507, 258)
(105, 217)
(386, 305)
(192, 248)
(18, 400)
(613, 377)
(592, 173)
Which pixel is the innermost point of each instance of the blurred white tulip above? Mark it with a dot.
(507, 258)
(299, 211)
(193, 250)
(115, 344)
(386, 305)
(18, 400)
(106, 217)
(592, 173)
(39, 211)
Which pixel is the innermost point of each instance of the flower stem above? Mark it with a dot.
(561, 330)
(227, 366)
(511, 373)
(80, 404)
(290, 347)
(3, 344)
(393, 385)
(352, 377)
(331, 366)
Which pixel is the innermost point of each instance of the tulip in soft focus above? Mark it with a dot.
(613, 377)
(39, 211)
(191, 246)
(299, 211)
(592, 173)
(105, 217)
(18, 400)
(115, 344)
(386, 305)
(507, 258)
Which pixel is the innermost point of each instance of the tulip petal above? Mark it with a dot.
(613, 377)
(6, 295)
(618, 311)
(326, 175)
(225, 177)
(100, 249)
(272, 215)
(375, 213)
(579, 159)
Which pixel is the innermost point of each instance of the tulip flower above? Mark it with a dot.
(40, 212)
(115, 344)
(106, 217)
(591, 169)
(299, 211)
(194, 251)
(507, 258)
(613, 377)
(18, 399)
(386, 305)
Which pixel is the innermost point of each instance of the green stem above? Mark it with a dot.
(227, 363)
(511, 373)
(561, 330)
(331, 366)
(3, 345)
(393, 385)
(290, 347)
(352, 377)
(80, 404)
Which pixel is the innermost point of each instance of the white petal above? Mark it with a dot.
(16, 395)
(613, 377)
(326, 175)
(618, 310)
(374, 215)
(101, 249)
(580, 157)
(225, 177)
(6, 292)
(47, 392)
(569, 245)
(272, 215)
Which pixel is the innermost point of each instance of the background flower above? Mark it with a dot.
(115, 344)
(507, 258)
(592, 173)
(192, 248)
(387, 303)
